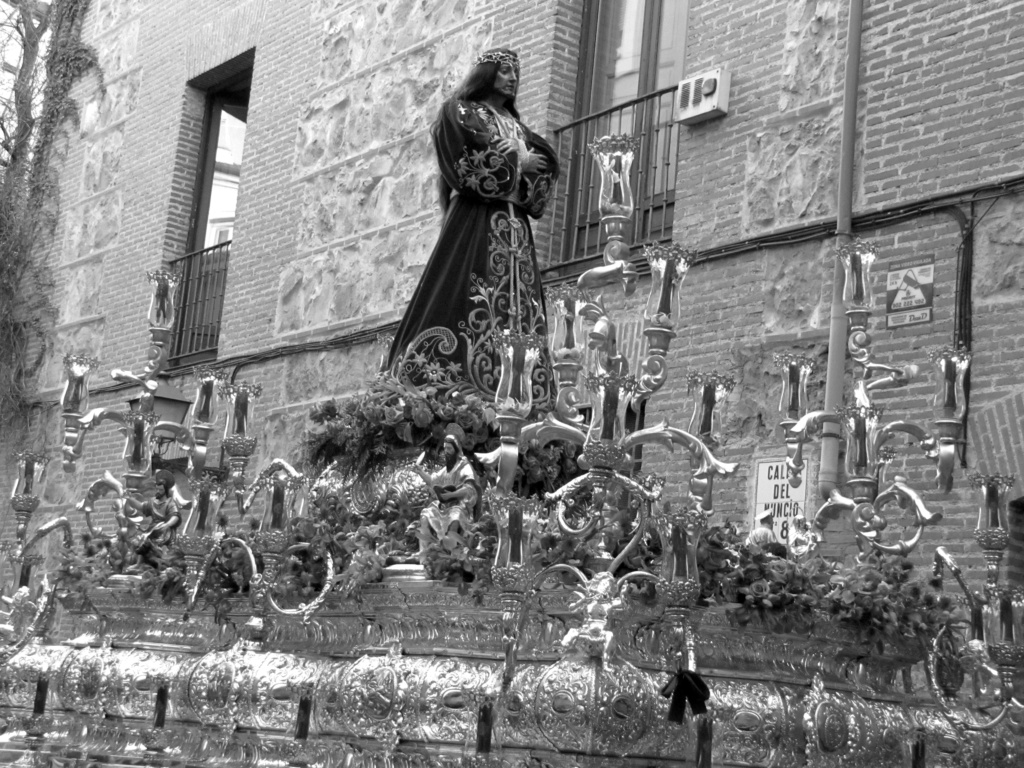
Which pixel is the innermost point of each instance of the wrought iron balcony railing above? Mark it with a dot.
(201, 303)
(576, 221)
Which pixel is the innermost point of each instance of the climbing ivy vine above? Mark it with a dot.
(32, 135)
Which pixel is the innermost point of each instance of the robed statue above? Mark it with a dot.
(482, 277)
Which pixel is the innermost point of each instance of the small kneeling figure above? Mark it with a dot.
(457, 493)
(164, 517)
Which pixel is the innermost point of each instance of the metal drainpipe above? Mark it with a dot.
(828, 474)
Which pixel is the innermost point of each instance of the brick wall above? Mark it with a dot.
(944, 89)
(337, 216)
(127, 187)
(939, 88)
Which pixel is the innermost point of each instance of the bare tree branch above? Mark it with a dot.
(33, 26)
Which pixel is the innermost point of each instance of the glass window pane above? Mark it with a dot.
(617, 53)
(672, 43)
(224, 190)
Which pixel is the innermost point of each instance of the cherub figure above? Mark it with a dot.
(612, 519)
(598, 600)
(804, 540)
(23, 611)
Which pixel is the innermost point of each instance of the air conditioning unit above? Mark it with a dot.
(703, 97)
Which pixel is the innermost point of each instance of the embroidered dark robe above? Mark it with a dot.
(482, 276)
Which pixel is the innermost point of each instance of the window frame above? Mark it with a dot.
(224, 95)
(659, 206)
(225, 89)
(648, 69)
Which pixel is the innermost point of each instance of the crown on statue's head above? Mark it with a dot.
(499, 56)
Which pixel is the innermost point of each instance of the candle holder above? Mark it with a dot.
(384, 342)
(285, 487)
(286, 495)
(712, 388)
(25, 501)
(677, 587)
(566, 354)
(669, 265)
(950, 403)
(862, 425)
(564, 300)
(614, 157)
(240, 397)
(74, 402)
(519, 353)
(74, 397)
(25, 494)
(204, 415)
(511, 573)
(268, 547)
(139, 424)
(612, 442)
(138, 452)
(951, 365)
(198, 536)
(28, 616)
(238, 444)
(516, 518)
(993, 530)
(612, 396)
(796, 371)
(857, 257)
(162, 306)
(208, 493)
(680, 529)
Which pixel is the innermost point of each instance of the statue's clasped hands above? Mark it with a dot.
(535, 163)
(531, 162)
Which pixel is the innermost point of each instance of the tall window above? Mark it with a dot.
(204, 268)
(631, 62)
(226, 116)
(638, 49)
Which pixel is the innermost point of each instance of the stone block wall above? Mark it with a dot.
(336, 209)
(365, 172)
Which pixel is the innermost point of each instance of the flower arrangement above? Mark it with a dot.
(544, 468)
(872, 596)
(876, 597)
(464, 559)
(360, 433)
(552, 547)
(83, 570)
